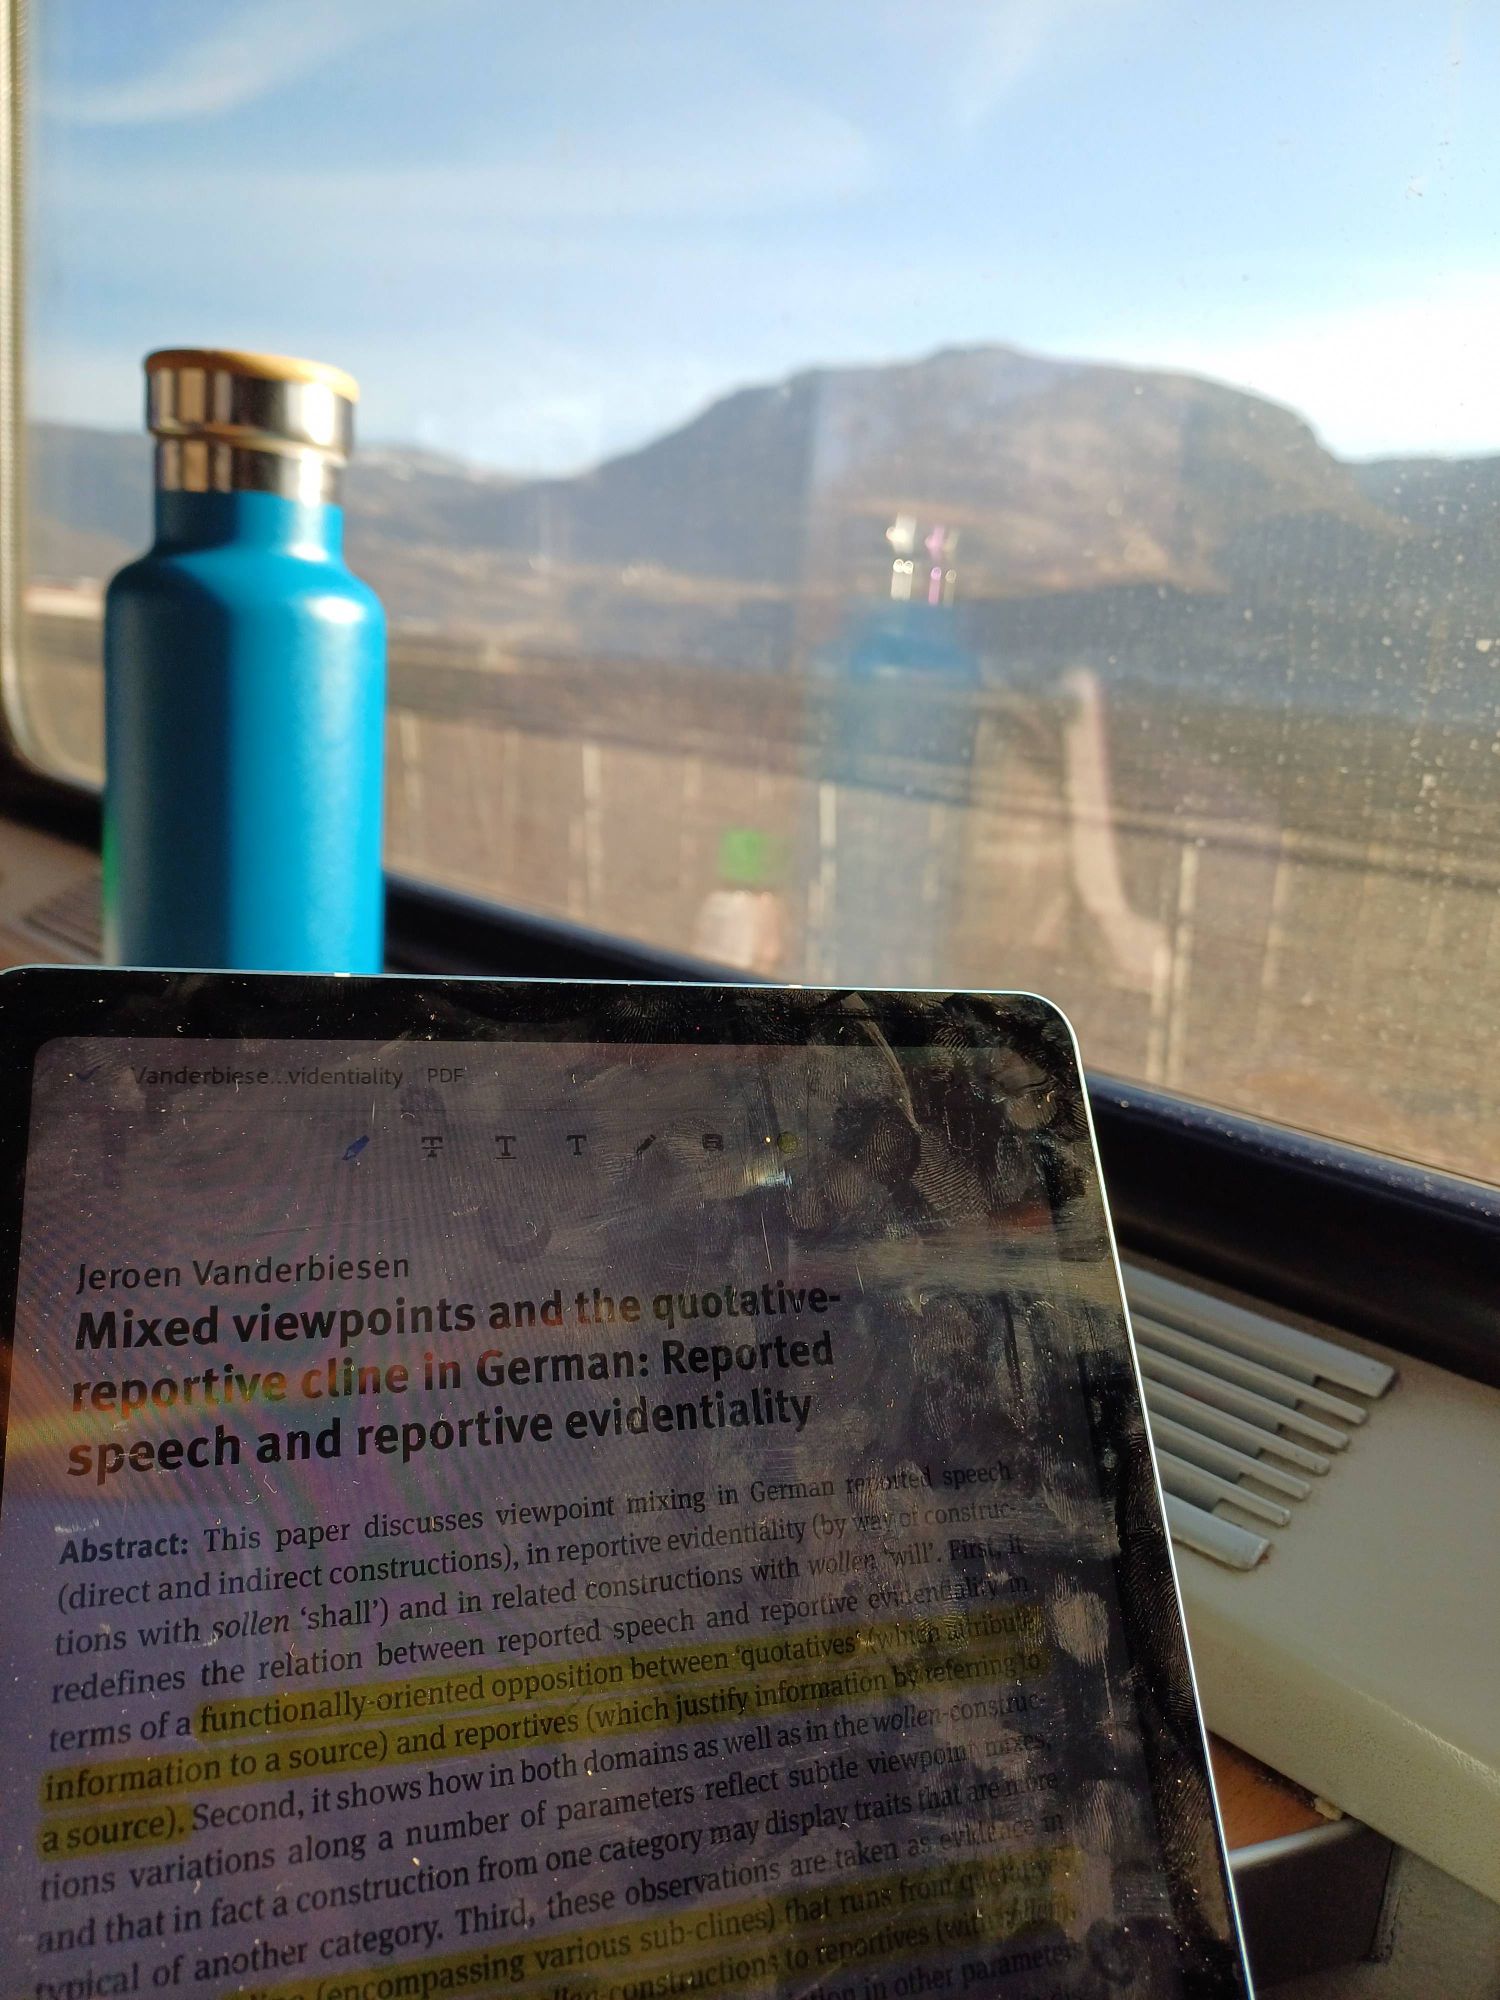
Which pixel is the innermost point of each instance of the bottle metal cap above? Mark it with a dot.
(263, 367)
(229, 420)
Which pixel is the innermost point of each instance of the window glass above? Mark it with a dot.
(997, 494)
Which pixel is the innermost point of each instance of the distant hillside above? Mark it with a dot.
(1055, 475)
(744, 535)
(97, 484)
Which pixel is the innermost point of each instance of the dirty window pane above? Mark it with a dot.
(999, 495)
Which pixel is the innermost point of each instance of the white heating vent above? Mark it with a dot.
(1245, 1413)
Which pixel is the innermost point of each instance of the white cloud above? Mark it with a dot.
(1407, 374)
(760, 150)
(256, 51)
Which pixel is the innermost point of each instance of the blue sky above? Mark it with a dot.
(542, 234)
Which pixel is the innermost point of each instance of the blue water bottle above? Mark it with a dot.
(244, 684)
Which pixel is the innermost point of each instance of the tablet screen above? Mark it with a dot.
(634, 1515)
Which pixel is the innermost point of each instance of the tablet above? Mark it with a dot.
(579, 1490)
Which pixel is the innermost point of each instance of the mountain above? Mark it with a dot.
(743, 535)
(1439, 496)
(1055, 475)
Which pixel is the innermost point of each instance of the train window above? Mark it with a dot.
(993, 495)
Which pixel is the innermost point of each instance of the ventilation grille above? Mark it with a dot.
(70, 920)
(1245, 1414)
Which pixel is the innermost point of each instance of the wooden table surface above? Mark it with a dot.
(1255, 1802)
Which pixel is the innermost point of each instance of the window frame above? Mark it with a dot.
(12, 414)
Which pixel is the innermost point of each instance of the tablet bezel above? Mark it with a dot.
(43, 1004)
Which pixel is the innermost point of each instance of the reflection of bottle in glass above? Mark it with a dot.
(245, 684)
(903, 711)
